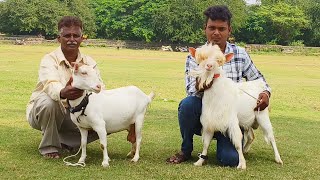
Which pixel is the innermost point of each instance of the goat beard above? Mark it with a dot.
(202, 87)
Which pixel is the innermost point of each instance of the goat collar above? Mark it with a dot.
(82, 106)
(216, 76)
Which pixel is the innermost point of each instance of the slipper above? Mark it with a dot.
(69, 149)
(178, 158)
(53, 155)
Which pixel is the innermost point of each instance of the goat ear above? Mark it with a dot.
(76, 67)
(229, 57)
(192, 51)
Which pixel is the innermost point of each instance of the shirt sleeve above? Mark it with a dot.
(190, 82)
(50, 78)
(250, 71)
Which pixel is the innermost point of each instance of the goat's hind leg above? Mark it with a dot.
(265, 123)
(138, 128)
(206, 139)
(249, 137)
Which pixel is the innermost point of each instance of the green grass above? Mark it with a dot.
(295, 104)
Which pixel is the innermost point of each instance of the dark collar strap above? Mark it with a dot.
(203, 156)
(81, 107)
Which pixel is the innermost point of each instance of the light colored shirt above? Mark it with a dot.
(54, 73)
(239, 68)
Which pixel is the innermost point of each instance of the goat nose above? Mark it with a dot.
(209, 65)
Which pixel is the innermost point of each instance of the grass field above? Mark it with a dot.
(295, 115)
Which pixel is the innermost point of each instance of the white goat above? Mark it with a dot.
(227, 104)
(107, 112)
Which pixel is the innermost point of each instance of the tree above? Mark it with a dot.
(41, 17)
(280, 23)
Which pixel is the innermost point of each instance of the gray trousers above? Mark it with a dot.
(56, 125)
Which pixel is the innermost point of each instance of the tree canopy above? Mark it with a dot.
(178, 21)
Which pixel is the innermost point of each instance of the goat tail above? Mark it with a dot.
(151, 96)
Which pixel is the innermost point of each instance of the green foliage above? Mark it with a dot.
(40, 17)
(280, 23)
(126, 19)
(296, 43)
(159, 20)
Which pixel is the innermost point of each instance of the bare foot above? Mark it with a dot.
(53, 155)
(132, 134)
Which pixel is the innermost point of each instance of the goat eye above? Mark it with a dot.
(84, 73)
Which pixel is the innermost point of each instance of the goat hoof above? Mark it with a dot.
(241, 166)
(134, 160)
(105, 164)
(198, 163)
(279, 161)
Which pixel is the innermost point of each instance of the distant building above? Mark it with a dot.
(253, 2)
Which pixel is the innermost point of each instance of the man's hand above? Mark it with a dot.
(263, 101)
(70, 92)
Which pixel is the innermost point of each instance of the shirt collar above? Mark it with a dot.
(62, 58)
(228, 48)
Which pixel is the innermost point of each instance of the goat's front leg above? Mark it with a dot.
(84, 137)
(101, 131)
(235, 135)
(206, 139)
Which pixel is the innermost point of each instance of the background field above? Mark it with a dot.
(295, 115)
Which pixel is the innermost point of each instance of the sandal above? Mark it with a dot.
(53, 155)
(67, 148)
(178, 158)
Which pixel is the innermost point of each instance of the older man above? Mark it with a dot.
(46, 110)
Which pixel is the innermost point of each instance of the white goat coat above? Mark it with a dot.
(219, 108)
(117, 107)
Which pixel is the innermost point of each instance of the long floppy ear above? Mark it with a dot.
(229, 57)
(192, 51)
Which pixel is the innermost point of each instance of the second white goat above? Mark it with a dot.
(227, 104)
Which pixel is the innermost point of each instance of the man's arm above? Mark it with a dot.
(190, 81)
(250, 72)
(49, 77)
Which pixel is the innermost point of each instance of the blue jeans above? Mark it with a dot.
(189, 112)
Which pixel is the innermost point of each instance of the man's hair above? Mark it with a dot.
(219, 12)
(68, 21)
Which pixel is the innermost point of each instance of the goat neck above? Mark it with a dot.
(76, 102)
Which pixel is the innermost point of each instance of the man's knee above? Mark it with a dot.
(45, 110)
(190, 104)
(228, 158)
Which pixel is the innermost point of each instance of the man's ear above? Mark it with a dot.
(59, 38)
(192, 51)
(229, 57)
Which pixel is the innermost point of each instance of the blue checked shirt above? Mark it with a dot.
(240, 67)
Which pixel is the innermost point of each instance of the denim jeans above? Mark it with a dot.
(189, 112)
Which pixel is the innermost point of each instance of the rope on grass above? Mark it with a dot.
(82, 164)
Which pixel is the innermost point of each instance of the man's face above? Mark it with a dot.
(217, 32)
(70, 38)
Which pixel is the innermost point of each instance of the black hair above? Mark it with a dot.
(219, 12)
(68, 21)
